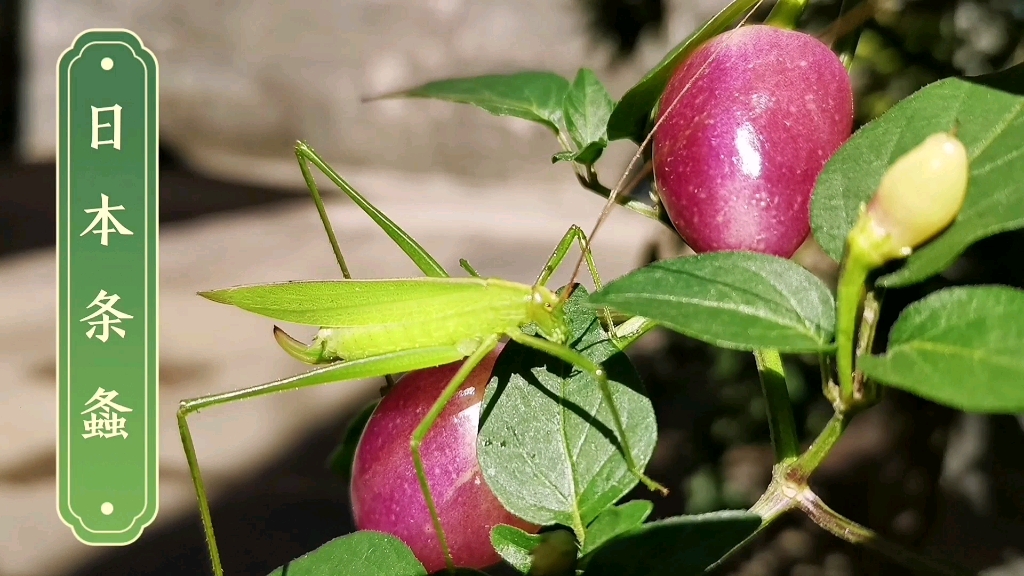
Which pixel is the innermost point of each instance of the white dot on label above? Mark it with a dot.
(106, 64)
(107, 508)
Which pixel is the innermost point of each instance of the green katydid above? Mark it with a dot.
(376, 328)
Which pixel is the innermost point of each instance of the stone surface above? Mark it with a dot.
(241, 81)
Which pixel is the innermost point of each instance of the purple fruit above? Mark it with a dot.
(386, 495)
(737, 157)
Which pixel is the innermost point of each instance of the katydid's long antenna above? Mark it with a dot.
(639, 154)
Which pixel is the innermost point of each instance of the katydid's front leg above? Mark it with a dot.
(574, 234)
(404, 361)
(574, 358)
(634, 327)
(424, 427)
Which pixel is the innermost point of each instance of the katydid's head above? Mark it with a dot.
(545, 310)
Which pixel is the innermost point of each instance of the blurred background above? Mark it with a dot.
(241, 81)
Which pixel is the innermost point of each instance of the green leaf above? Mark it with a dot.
(960, 347)
(535, 96)
(738, 300)
(362, 553)
(615, 521)
(630, 116)
(586, 109)
(542, 451)
(564, 156)
(991, 126)
(514, 546)
(678, 546)
(587, 156)
(344, 454)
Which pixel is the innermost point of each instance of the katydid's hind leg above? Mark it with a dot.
(359, 369)
(423, 260)
(573, 357)
(314, 191)
(197, 482)
(428, 422)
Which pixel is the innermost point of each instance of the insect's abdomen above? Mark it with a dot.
(458, 319)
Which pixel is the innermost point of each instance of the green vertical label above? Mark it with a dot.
(107, 218)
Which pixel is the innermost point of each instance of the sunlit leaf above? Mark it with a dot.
(961, 347)
(989, 122)
(739, 300)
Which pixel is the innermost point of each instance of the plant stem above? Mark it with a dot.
(781, 423)
(852, 532)
(770, 507)
(849, 295)
(863, 387)
(786, 13)
(866, 250)
(809, 461)
(844, 34)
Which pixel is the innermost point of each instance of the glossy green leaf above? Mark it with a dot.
(679, 546)
(535, 96)
(738, 300)
(586, 109)
(514, 546)
(344, 454)
(960, 347)
(362, 553)
(630, 117)
(547, 445)
(615, 521)
(990, 124)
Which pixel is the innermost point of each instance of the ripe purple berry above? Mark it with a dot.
(737, 157)
(386, 494)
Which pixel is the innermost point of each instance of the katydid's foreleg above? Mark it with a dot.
(474, 359)
(314, 191)
(404, 361)
(573, 357)
(423, 260)
(576, 234)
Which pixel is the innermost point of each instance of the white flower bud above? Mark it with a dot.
(921, 193)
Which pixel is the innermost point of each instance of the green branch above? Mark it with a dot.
(786, 14)
(780, 412)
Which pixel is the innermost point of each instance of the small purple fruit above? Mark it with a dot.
(386, 494)
(737, 157)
